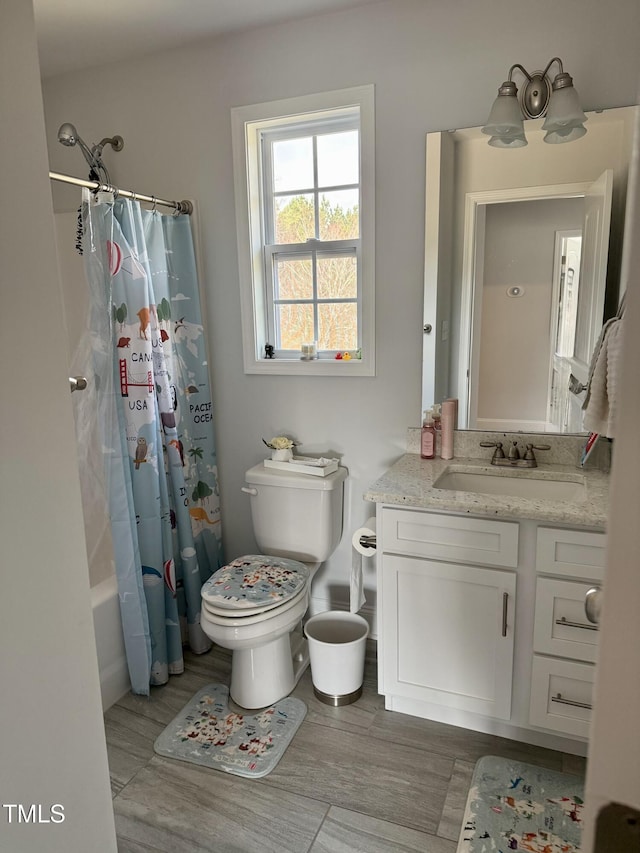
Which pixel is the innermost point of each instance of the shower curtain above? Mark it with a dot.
(155, 414)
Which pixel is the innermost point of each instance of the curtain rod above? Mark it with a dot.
(178, 206)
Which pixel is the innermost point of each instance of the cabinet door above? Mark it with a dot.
(448, 634)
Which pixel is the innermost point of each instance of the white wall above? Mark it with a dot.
(52, 742)
(435, 65)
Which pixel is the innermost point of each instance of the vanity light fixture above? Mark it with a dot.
(557, 101)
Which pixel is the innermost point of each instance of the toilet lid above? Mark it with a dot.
(254, 582)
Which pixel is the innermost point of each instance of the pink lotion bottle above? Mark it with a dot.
(449, 414)
(428, 437)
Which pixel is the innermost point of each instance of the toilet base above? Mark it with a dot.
(263, 675)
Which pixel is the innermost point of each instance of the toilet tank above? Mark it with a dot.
(296, 515)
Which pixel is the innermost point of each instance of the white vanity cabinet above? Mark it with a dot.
(568, 563)
(454, 644)
(447, 605)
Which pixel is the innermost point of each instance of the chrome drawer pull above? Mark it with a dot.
(505, 604)
(558, 698)
(564, 621)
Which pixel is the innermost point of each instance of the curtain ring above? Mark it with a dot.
(153, 199)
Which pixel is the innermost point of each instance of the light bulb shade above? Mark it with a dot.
(564, 111)
(505, 118)
(514, 141)
(565, 134)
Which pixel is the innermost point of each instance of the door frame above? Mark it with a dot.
(613, 772)
(469, 313)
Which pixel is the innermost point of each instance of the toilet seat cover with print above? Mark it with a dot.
(254, 582)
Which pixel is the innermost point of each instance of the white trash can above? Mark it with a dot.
(337, 642)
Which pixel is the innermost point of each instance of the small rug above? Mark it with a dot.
(209, 733)
(516, 806)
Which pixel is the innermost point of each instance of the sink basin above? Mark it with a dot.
(515, 485)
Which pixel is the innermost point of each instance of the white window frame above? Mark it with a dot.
(247, 125)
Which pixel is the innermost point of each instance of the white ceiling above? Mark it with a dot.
(76, 34)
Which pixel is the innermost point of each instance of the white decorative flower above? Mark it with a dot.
(280, 442)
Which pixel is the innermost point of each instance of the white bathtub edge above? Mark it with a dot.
(107, 625)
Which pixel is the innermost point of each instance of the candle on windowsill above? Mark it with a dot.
(309, 351)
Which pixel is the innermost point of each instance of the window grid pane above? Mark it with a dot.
(338, 159)
(312, 191)
(332, 324)
(337, 277)
(315, 294)
(294, 217)
(293, 164)
(294, 278)
(300, 210)
(294, 325)
(338, 325)
(338, 215)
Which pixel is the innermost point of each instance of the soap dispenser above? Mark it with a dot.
(437, 416)
(428, 436)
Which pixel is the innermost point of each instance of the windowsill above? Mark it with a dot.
(317, 367)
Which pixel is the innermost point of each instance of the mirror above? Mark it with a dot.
(522, 264)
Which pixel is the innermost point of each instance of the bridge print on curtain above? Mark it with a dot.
(156, 416)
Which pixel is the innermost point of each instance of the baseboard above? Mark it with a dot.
(486, 725)
(114, 682)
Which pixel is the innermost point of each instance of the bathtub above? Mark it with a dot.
(112, 662)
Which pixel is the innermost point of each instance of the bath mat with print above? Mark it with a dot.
(209, 733)
(515, 806)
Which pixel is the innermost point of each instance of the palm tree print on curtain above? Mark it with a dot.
(156, 413)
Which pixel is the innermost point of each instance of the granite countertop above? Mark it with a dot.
(409, 483)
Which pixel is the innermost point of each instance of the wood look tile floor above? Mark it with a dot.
(356, 779)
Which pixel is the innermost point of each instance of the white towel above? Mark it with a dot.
(600, 403)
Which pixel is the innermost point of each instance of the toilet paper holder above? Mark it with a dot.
(368, 541)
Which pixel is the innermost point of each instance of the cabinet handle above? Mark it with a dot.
(505, 604)
(564, 621)
(558, 698)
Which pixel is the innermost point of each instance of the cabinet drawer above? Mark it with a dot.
(450, 537)
(561, 695)
(561, 627)
(571, 552)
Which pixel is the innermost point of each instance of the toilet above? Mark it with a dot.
(255, 605)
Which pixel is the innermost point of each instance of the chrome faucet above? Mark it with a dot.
(513, 459)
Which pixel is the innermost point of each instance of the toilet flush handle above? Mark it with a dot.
(249, 491)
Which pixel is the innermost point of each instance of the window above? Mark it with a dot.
(304, 208)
